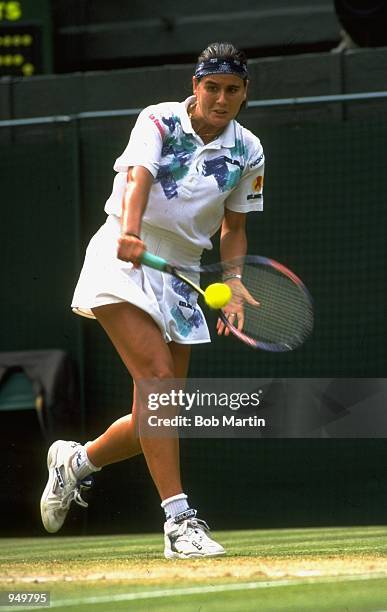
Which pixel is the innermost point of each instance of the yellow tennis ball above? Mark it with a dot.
(217, 295)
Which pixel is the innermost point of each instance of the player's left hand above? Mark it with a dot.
(234, 310)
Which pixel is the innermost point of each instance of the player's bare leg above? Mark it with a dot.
(132, 332)
(146, 356)
(120, 441)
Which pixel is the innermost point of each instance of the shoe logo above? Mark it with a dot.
(197, 545)
(186, 514)
(59, 478)
(79, 458)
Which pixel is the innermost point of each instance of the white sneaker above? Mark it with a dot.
(62, 486)
(186, 537)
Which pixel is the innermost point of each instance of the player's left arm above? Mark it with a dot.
(233, 241)
(233, 244)
(247, 196)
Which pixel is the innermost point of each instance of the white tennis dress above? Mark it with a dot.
(193, 184)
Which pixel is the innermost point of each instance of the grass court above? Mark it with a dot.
(330, 569)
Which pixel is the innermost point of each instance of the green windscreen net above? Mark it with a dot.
(39, 234)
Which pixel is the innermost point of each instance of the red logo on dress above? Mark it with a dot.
(157, 124)
(257, 183)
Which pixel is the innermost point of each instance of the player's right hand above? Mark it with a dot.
(130, 249)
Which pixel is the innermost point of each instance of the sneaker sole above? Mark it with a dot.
(169, 554)
(51, 460)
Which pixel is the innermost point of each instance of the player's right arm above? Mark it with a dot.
(135, 199)
(140, 162)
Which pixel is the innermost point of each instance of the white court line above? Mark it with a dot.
(240, 586)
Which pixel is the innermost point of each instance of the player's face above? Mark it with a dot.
(219, 98)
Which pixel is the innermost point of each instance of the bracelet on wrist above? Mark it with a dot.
(227, 277)
(132, 234)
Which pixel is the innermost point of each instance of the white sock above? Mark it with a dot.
(81, 464)
(174, 505)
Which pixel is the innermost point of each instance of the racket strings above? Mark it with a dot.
(284, 315)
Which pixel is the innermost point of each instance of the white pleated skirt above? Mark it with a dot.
(105, 279)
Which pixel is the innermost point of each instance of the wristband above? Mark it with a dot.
(230, 276)
(132, 234)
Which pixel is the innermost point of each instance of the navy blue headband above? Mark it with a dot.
(221, 65)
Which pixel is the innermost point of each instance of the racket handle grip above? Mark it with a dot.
(154, 261)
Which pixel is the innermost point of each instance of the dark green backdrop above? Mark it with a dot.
(325, 217)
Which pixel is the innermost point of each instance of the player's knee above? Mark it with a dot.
(159, 373)
(156, 390)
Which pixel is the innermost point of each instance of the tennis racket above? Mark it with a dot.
(277, 307)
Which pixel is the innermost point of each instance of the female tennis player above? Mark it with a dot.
(188, 170)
